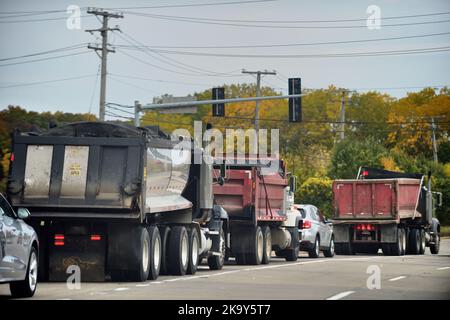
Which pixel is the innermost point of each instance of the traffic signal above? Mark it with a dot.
(218, 109)
(295, 104)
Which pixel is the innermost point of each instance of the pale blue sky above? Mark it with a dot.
(358, 72)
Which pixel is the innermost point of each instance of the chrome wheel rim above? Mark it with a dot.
(332, 246)
(268, 245)
(32, 273)
(194, 251)
(317, 247)
(260, 241)
(156, 253)
(145, 251)
(184, 251)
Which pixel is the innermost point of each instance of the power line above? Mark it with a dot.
(132, 85)
(315, 55)
(218, 22)
(41, 20)
(297, 21)
(295, 44)
(68, 48)
(44, 82)
(114, 108)
(205, 4)
(44, 59)
(162, 81)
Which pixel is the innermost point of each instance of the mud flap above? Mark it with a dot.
(79, 251)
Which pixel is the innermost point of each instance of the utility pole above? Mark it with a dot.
(104, 49)
(433, 137)
(342, 117)
(258, 91)
(137, 109)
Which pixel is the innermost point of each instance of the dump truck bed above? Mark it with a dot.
(376, 199)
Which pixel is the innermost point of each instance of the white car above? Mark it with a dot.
(18, 251)
(315, 232)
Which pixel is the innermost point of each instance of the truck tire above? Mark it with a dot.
(414, 241)
(315, 250)
(138, 257)
(217, 262)
(255, 244)
(164, 232)
(403, 238)
(155, 252)
(178, 251)
(422, 242)
(292, 254)
(434, 248)
(396, 247)
(329, 253)
(193, 251)
(267, 250)
(26, 288)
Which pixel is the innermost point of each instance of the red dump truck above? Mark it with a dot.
(385, 209)
(258, 196)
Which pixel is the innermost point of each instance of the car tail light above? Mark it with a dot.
(365, 173)
(306, 224)
(96, 237)
(59, 239)
(12, 157)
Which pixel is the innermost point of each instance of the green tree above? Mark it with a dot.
(349, 155)
(316, 191)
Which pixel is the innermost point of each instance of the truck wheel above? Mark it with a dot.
(27, 287)
(292, 254)
(255, 247)
(329, 253)
(142, 269)
(217, 262)
(422, 242)
(193, 251)
(403, 241)
(155, 252)
(396, 247)
(434, 248)
(414, 241)
(315, 250)
(267, 245)
(178, 253)
(164, 232)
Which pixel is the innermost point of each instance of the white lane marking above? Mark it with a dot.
(143, 285)
(173, 280)
(121, 289)
(397, 278)
(267, 267)
(443, 268)
(340, 295)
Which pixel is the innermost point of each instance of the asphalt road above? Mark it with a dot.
(342, 277)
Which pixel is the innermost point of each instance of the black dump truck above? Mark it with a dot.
(117, 201)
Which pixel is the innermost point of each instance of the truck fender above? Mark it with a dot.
(435, 226)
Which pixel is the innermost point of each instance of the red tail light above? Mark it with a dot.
(96, 237)
(12, 157)
(365, 227)
(306, 224)
(365, 173)
(59, 239)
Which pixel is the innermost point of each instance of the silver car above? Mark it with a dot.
(315, 232)
(18, 251)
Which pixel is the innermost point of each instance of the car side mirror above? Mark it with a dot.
(23, 213)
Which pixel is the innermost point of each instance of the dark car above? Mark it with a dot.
(18, 251)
